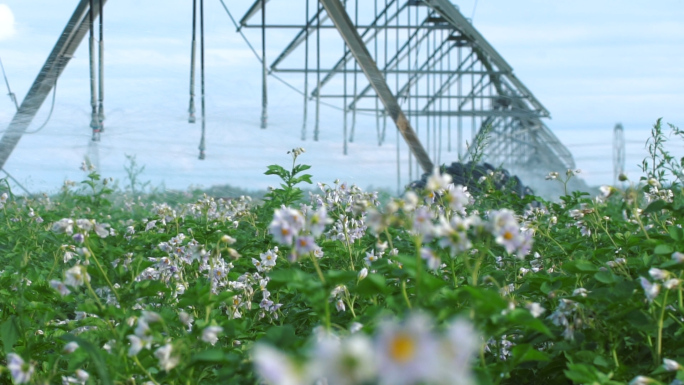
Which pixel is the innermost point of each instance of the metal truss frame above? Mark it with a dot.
(61, 54)
(426, 57)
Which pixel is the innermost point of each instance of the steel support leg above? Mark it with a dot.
(68, 42)
(348, 32)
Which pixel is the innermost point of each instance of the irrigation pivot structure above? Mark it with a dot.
(427, 60)
(417, 64)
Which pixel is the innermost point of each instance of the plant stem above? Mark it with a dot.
(135, 358)
(419, 267)
(659, 342)
(403, 292)
(109, 283)
(318, 268)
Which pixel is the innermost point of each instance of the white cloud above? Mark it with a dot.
(6, 22)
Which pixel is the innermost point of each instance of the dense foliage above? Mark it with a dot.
(435, 287)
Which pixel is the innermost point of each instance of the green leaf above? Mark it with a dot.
(606, 277)
(372, 284)
(212, 355)
(336, 277)
(676, 233)
(305, 178)
(600, 361)
(525, 352)
(280, 336)
(655, 206)
(525, 318)
(663, 249)
(581, 373)
(9, 333)
(579, 266)
(300, 167)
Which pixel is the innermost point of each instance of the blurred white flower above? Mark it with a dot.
(318, 252)
(70, 347)
(186, 319)
(422, 221)
(76, 276)
(671, 365)
(535, 309)
(355, 327)
(210, 334)
(642, 380)
(370, 257)
(166, 361)
(64, 225)
(437, 181)
(347, 362)
(407, 353)
(275, 368)
(458, 198)
(85, 224)
(286, 224)
(316, 220)
(136, 345)
(607, 191)
(60, 287)
(658, 274)
(305, 245)
(651, 290)
(339, 305)
(228, 239)
(671, 283)
(363, 273)
(20, 371)
(268, 259)
(677, 256)
(82, 376)
(102, 230)
(458, 350)
(429, 256)
(150, 225)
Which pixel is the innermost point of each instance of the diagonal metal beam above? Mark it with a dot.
(374, 33)
(64, 49)
(449, 12)
(299, 39)
(354, 42)
(256, 7)
(402, 53)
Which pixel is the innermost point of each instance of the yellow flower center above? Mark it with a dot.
(402, 348)
(285, 231)
(508, 235)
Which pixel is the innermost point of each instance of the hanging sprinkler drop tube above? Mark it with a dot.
(193, 55)
(201, 146)
(264, 69)
(94, 121)
(100, 106)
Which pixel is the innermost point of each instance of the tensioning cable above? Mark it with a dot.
(9, 90)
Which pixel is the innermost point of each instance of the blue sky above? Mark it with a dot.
(592, 64)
